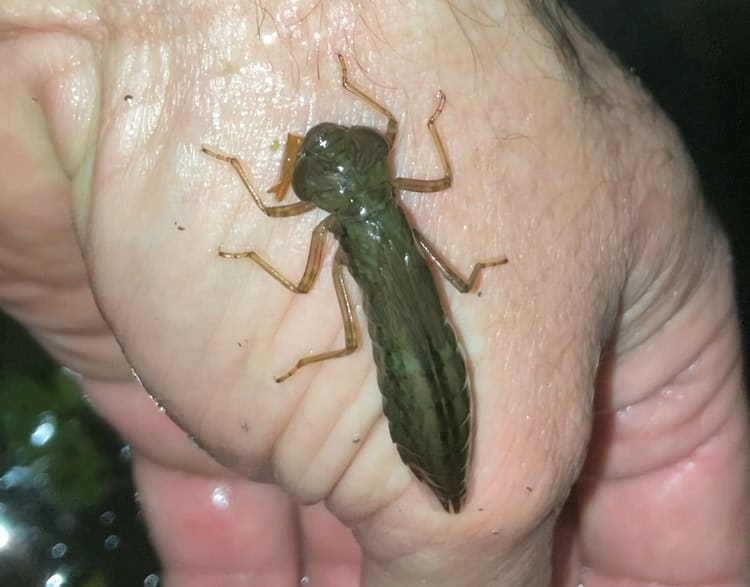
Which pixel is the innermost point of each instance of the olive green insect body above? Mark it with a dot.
(421, 371)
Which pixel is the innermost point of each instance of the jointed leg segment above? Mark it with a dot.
(273, 211)
(431, 185)
(392, 129)
(456, 280)
(312, 267)
(351, 336)
(405, 183)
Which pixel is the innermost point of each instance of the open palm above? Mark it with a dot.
(616, 284)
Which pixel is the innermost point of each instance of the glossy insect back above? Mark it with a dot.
(421, 372)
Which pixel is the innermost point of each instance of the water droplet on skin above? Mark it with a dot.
(136, 377)
(304, 580)
(269, 38)
(107, 518)
(624, 411)
(356, 438)
(220, 498)
(71, 374)
(58, 550)
(154, 399)
(126, 453)
(112, 542)
(151, 580)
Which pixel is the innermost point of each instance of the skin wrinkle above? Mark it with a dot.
(706, 438)
(652, 299)
(683, 462)
(654, 388)
(277, 458)
(721, 426)
(359, 519)
(725, 321)
(293, 486)
(362, 432)
(366, 374)
(365, 437)
(707, 281)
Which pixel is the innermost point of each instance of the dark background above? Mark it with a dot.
(67, 504)
(694, 56)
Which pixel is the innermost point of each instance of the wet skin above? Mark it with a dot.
(608, 343)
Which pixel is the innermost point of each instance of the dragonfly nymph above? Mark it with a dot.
(422, 375)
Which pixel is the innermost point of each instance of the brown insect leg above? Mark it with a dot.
(456, 280)
(351, 336)
(430, 185)
(312, 267)
(392, 129)
(273, 211)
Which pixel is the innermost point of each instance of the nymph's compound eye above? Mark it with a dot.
(322, 150)
(326, 140)
(368, 147)
(333, 159)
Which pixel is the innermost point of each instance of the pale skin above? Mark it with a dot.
(613, 314)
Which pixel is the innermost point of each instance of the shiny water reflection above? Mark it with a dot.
(67, 513)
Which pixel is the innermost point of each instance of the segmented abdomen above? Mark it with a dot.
(421, 372)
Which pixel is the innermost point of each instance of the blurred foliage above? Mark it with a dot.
(47, 446)
(67, 513)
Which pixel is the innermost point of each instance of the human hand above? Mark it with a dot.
(615, 311)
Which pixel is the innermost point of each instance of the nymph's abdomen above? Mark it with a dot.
(421, 372)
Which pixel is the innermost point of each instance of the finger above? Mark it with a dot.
(672, 465)
(332, 556)
(145, 427)
(43, 280)
(218, 531)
